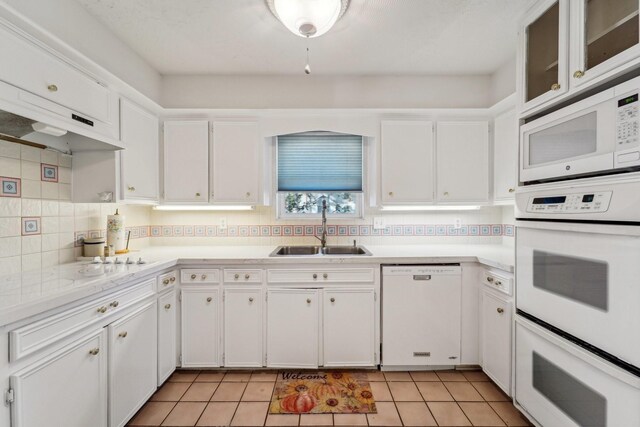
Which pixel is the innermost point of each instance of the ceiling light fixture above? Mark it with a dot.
(308, 18)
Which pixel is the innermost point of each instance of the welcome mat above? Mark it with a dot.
(322, 393)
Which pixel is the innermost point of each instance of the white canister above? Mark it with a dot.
(115, 232)
(94, 247)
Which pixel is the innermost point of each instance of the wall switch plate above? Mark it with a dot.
(223, 223)
(457, 223)
(378, 223)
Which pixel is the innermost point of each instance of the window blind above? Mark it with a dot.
(319, 162)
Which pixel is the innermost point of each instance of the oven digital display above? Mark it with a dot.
(587, 198)
(628, 100)
(549, 200)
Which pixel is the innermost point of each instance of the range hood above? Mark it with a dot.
(23, 130)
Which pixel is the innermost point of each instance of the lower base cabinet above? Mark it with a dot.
(200, 326)
(496, 315)
(292, 328)
(349, 327)
(67, 388)
(132, 363)
(166, 335)
(243, 327)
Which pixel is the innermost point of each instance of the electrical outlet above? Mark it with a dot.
(223, 223)
(378, 223)
(457, 223)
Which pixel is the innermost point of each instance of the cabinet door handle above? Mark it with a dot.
(52, 88)
(94, 351)
(130, 188)
(247, 277)
(332, 300)
(555, 86)
(165, 282)
(102, 309)
(500, 310)
(236, 276)
(193, 277)
(209, 299)
(325, 276)
(446, 193)
(315, 276)
(578, 74)
(512, 190)
(167, 306)
(114, 304)
(308, 300)
(123, 334)
(197, 194)
(391, 193)
(248, 194)
(250, 299)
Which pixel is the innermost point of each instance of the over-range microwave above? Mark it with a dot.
(598, 135)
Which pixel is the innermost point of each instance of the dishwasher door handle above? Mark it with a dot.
(421, 277)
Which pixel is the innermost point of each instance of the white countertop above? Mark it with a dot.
(31, 293)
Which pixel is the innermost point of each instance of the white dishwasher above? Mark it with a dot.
(421, 315)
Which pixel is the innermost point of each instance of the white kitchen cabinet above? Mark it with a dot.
(505, 156)
(235, 162)
(139, 179)
(462, 162)
(243, 327)
(407, 162)
(67, 388)
(166, 335)
(348, 327)
(200, 327)
(186, 161)
(133, 353)
(292, 328)
(496, 316)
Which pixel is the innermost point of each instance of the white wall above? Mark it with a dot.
(326, 92)
(73, 25)
(503, 81)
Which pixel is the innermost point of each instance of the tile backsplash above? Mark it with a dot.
(39, 225)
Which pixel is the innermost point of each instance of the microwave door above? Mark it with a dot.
(577, 144)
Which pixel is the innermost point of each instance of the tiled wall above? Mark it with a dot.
(38, 222)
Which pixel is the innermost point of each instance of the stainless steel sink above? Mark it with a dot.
(319, 251)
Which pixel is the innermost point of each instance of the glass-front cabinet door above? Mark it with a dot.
(604, 35)
(544, 53)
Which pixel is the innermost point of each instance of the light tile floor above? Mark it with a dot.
(241, 398)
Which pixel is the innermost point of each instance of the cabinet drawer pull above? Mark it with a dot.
(114, 304)
(247, 277)
(325, 276)
(498, 283)
(204, 276)
(500, 310)
(315, 276)
(102, 309)
(209, 299)
(332, 300)
(167, 306)
(193, 277)
(94, 351)
(172, 279)
(123, 334)
(489, 279)
(308, 300)
(236, 276)
(165, 282)
(250, 299)
(52, 88)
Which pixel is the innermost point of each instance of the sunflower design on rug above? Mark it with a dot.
(322, 393)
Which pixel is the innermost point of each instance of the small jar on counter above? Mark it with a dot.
(94, 247)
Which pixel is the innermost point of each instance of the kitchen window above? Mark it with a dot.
(317, 166)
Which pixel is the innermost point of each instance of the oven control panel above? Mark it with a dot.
(627, 125)
(571, 203)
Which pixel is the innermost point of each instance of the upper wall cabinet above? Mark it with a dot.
(505, 156)
(462, 162)
(49, 85)
(567, 46)
(139, 159)
(186, 161)
(543, 53)
(235, 163)
(407, 166)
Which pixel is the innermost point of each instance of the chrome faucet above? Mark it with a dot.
(323, 238)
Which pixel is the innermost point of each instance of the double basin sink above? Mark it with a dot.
(320, 251)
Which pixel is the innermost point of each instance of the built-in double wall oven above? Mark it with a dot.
(577, 334)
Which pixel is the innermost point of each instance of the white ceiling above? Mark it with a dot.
(374, 37)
